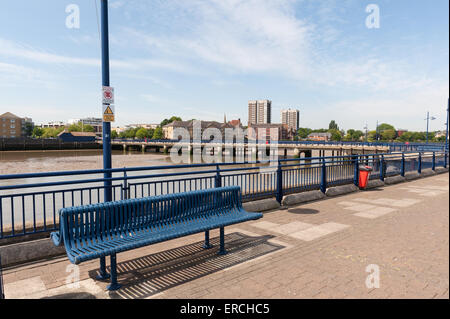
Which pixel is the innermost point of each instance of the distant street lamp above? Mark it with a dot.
(428, 121)
(366, 128)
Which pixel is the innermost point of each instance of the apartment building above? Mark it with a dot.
(291, 118)
(12, 126)
(259, 112)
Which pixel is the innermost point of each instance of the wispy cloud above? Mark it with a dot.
(14, 75)
(16, 50)
(268, 37)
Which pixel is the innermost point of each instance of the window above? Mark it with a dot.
(13, 121)
(13, 126)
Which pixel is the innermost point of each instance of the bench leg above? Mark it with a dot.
(103, 274)
(222, 250)
(207, 245)
(114, 285)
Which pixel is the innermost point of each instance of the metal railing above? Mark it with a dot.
(29, 203)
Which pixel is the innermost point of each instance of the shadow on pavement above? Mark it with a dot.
(148, 275)
(79, 295)
(303, 211)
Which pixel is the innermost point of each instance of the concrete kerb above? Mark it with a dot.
(441, 170)
(29, 251)
(427, 172)
(295, 199)
(375, 183)
(394, 180)
(410, 176)
(341, 190)
(261, 205)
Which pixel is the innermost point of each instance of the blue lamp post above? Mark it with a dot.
(106, 128)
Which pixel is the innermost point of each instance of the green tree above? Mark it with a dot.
(37, 132)
(384, 126)
(333, 125)
(319, 130)
(353, 135)
(158, 134)
(79, 127)
(142, 133)
(130, 133)
(114, 134)
(335, 135)
(388, 134)
(167, 121)
(28, 128)
(371, 136)
(50, 132)
(303, 132)
(406, 137)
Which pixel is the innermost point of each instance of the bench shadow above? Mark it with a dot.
(303, 211)
(152, 274)
(80, 295)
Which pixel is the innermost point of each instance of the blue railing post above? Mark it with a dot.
(445, 159)
(433, 165)
(419, 168)
(323, 179)
(402, 170)
(125, 192)
(382, 164)
(217, 178)
(356, 170)
(279, 183)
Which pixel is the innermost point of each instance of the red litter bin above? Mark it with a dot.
(364, 175)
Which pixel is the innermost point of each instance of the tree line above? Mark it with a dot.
(49, 132)
(384, 133)
(142, 132)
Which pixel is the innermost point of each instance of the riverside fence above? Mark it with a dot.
(29, 203)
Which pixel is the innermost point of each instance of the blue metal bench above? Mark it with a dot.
(105, 229)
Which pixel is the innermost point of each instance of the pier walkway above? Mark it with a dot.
(323, 249)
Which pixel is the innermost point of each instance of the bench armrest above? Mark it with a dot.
(56, 237)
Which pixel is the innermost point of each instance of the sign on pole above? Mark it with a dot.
(108, 95)
(108, 101)
(108, 113)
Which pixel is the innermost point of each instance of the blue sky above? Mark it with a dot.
(201, 59)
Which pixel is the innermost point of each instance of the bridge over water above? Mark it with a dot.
(282, 148)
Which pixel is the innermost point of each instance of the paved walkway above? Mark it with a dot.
(328, 249)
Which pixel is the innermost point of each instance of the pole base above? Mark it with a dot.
(207, 246)
(222, 252)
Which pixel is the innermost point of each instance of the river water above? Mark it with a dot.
(18, 162)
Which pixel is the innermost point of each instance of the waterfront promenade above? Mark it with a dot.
(316, 250)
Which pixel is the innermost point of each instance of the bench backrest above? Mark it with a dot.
(108, 220)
